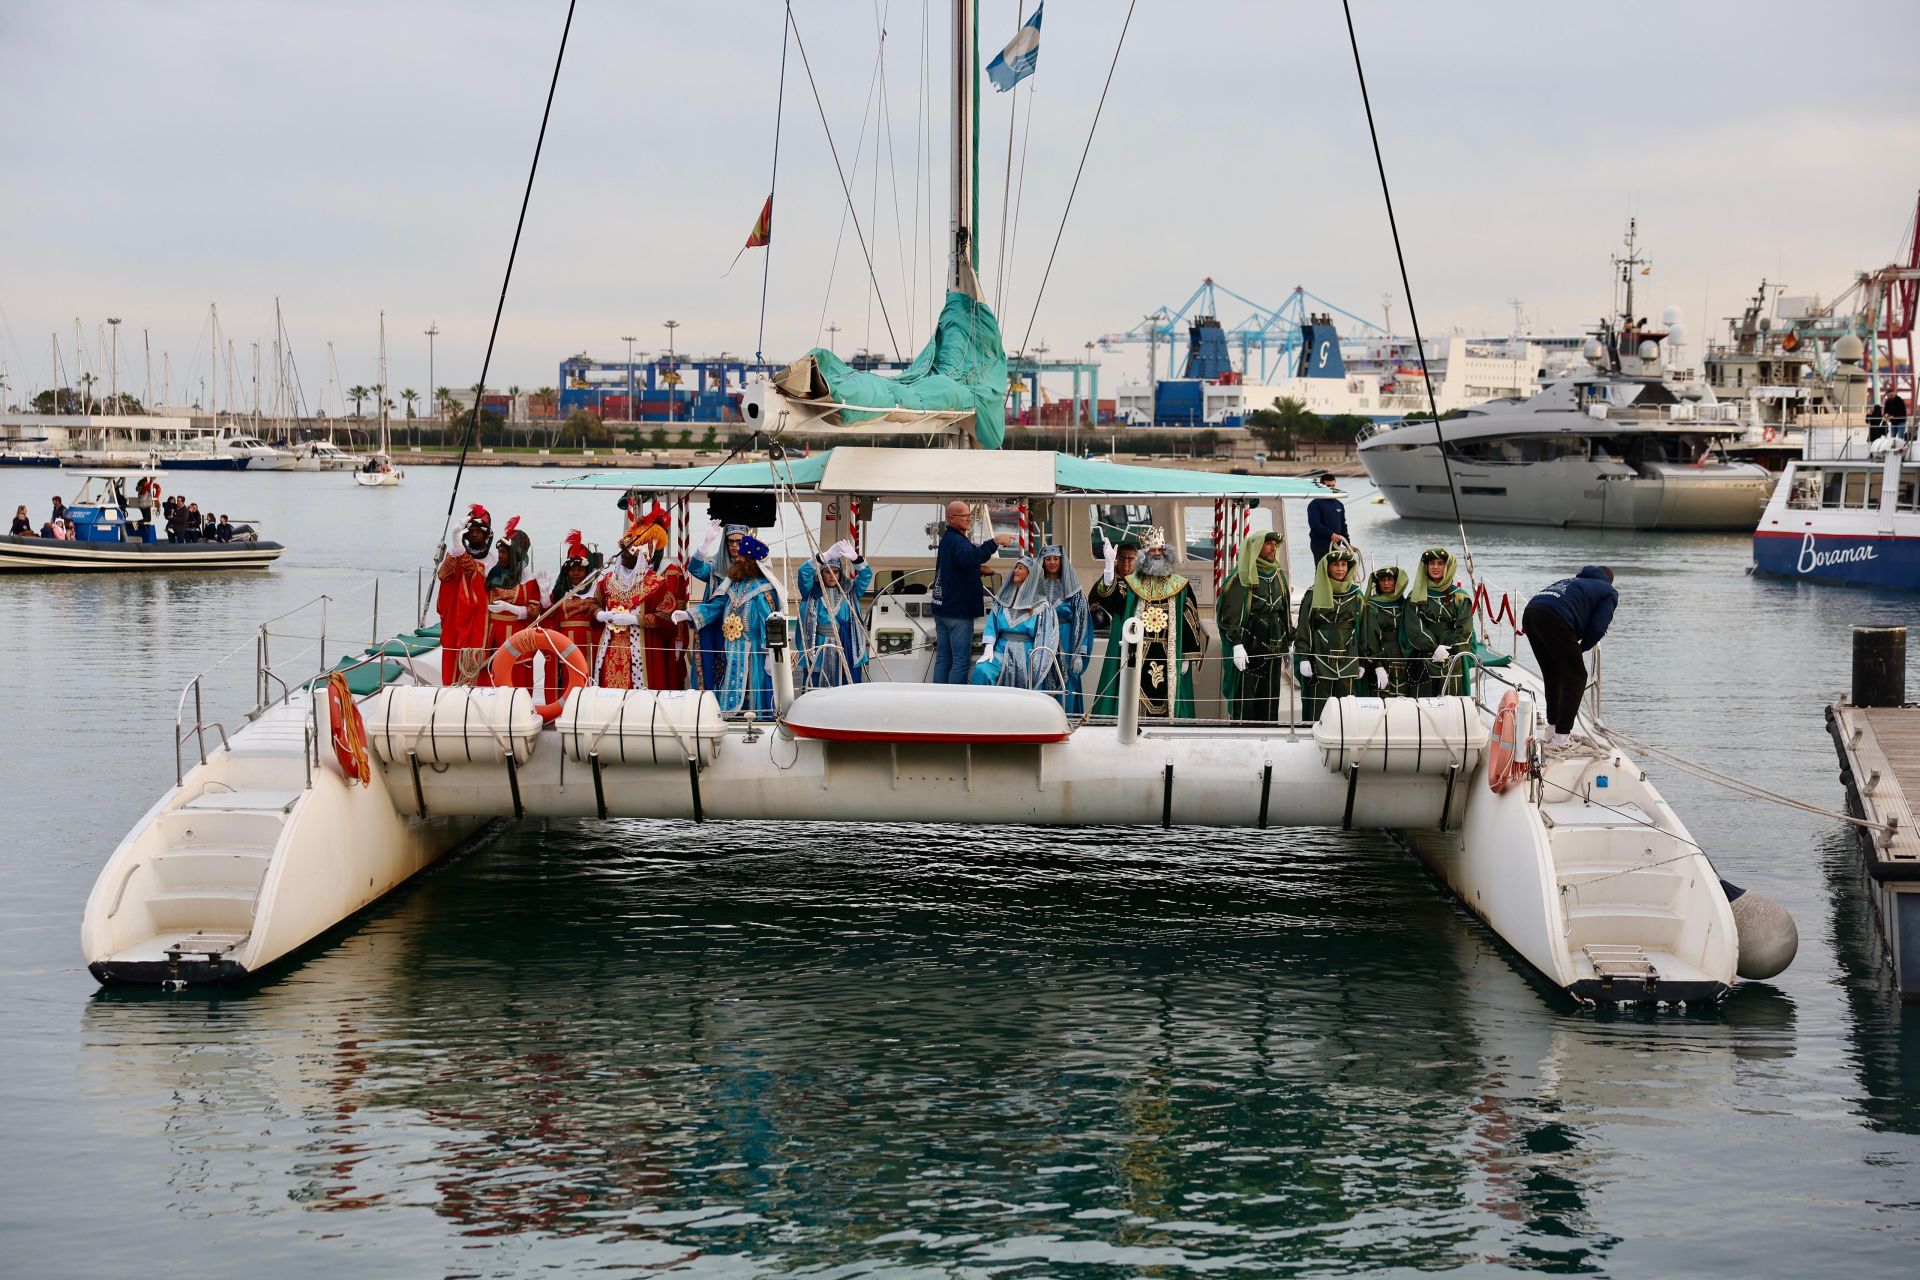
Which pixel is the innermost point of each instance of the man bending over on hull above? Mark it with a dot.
(1562, 622)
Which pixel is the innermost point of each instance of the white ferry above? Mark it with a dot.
(1846, 514)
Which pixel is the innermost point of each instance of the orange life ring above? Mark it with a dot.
(1768, 435)
(349, 732)
(522, 645)
(1504, 764)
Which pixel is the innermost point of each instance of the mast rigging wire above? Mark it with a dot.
(1406, 286)
(819, 106)
(1048, 273)
(473, 423)
(773, 182)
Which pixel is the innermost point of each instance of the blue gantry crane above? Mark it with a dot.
(1273, 332)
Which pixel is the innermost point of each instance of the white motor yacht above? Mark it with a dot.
(322, 455)
(255, 454)
(1607, 451)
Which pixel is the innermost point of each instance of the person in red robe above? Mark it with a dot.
(572, 610)
(513, 598)
(618, 662)
(462, 599)
(662, 592)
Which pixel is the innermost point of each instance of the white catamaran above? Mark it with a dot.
(272, 837)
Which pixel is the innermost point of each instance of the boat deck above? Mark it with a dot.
(1879, 749)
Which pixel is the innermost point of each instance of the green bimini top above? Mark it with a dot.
(930, 473)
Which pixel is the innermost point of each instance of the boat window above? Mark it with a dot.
(1484, 491)
(1118, 520)
(1806, 493)
(1857, 496)
(906, 529)
(1909, 492)
(1197, 530)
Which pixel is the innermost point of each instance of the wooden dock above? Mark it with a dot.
(1879, 748)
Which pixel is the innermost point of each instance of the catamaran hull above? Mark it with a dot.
(53, 555)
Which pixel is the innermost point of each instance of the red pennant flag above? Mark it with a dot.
(763, 228)
(760, 237)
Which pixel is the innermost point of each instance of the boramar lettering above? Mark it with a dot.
(1811, 557)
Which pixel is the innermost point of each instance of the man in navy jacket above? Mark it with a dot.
(957, 595)
(1326, 521)
(1562, 622)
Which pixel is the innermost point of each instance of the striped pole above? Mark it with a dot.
(1219, 545)
(1026, 530)
(685, 534)
(853, 519)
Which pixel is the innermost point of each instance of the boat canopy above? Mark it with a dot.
(962, 370)
(1033, 473)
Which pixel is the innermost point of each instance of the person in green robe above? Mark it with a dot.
(1439, 623)
(1256, 626)
(1171, 643)
(1326, 643)
(1383, 632)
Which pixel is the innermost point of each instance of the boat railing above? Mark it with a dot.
(278, 671)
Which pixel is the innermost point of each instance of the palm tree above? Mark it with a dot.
(86, 391)
(357, 394)
(513, 398)
(409, 395)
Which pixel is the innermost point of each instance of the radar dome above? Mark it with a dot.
(1593, 351)
(1675, 330)
(1649, 350)
(1849, 349)
(1671, 316)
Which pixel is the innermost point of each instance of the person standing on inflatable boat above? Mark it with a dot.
(462, 599)
(1562, 622)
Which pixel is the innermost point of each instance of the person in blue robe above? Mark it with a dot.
(1061, 586)
(833, 634)
(711, 561)
(1021, 648)
(739, 609)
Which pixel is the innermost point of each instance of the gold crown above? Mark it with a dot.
(1155, 536)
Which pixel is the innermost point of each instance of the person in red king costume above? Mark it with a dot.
(513, 597)
(462, 599)
(572, 610)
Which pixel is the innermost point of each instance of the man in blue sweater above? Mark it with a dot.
(1562, 622)
(1326, 521)
(957, 595)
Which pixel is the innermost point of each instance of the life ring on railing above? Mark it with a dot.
(522, 645)
(349, 732)
(1769, 435)
(1504, 764)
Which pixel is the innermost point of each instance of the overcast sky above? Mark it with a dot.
(354, 157)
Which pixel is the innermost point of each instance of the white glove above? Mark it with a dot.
(710, 540)
(842, 551)
(1185, 666)
(1111, 555)
(1380, 677)
(519, 611)
(1306, 669)
(506, 608)
(986, 653)
(1239, 657)
(681, 615)
(626, 619)
(605, 616)
(1442, 654)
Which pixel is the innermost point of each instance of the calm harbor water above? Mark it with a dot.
(746, 1049)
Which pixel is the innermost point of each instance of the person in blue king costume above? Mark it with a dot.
(704, 566)
(746, 599)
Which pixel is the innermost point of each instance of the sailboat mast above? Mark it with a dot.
(382, 389)
(964, 253)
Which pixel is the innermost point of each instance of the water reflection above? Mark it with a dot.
(701, 1042)
(1885, 1045)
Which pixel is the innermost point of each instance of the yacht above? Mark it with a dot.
(1604, 451)
(254, 453)
(1628, 444)
(322, 455)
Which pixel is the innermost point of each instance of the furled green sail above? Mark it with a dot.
(963, 367)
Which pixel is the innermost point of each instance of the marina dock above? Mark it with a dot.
(1876, 732)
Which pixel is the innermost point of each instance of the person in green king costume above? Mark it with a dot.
(1172, 641)
(1383, 632)
(1326, 641)
(1439, 622)
(1256, 627)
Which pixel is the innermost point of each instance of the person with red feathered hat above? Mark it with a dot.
(513, 598)
(664, 591)
(573, 607)
(462, 599)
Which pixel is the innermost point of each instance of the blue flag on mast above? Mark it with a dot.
(1016, 62)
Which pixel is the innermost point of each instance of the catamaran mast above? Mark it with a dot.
(963, 275)
(381, 390)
